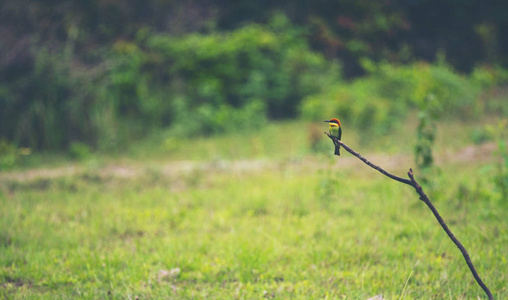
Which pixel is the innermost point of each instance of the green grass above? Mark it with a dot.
(293, 229)
(290, 232)
(296, 139)
(288, 140)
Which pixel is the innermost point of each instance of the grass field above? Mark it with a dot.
(294, 225)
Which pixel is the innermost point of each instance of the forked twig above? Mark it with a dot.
(412, 182)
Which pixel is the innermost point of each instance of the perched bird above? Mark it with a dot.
(336, 131)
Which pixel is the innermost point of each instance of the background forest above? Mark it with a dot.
(105, 73)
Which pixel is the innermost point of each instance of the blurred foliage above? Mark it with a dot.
(425, 138)
(501, 174)
(492, 180)
(469, 33)
(380, 100)
(10, 155)
(215, 83)
(48, 107)
(107, 73)
(195, 84)
(79, 151)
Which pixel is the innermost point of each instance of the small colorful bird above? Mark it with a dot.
(336, 131)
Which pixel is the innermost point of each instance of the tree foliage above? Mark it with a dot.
(106, 72)
(196, 83)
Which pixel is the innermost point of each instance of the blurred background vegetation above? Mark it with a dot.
(81, 76)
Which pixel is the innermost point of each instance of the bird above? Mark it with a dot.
(336, 131)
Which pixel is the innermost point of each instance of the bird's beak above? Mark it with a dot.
(327, 121)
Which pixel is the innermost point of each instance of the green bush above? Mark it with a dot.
(48, 106)
(193, 84)
(203, 84)
(10, 155)
(79, 151)
(381, 99)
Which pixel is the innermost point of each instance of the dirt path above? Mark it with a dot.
(484, 152)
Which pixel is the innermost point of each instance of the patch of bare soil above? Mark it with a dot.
(480, 153)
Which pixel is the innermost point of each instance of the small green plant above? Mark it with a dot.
(10, 155)
(481, 135)
(501, 176)
(426, 136)
(79, 150)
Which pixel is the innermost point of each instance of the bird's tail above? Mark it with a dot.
(337, 149)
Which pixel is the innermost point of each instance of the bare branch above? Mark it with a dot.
(427, 201)
(399, 179)
(412, 182)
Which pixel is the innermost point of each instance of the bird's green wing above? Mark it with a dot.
(340, 132)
